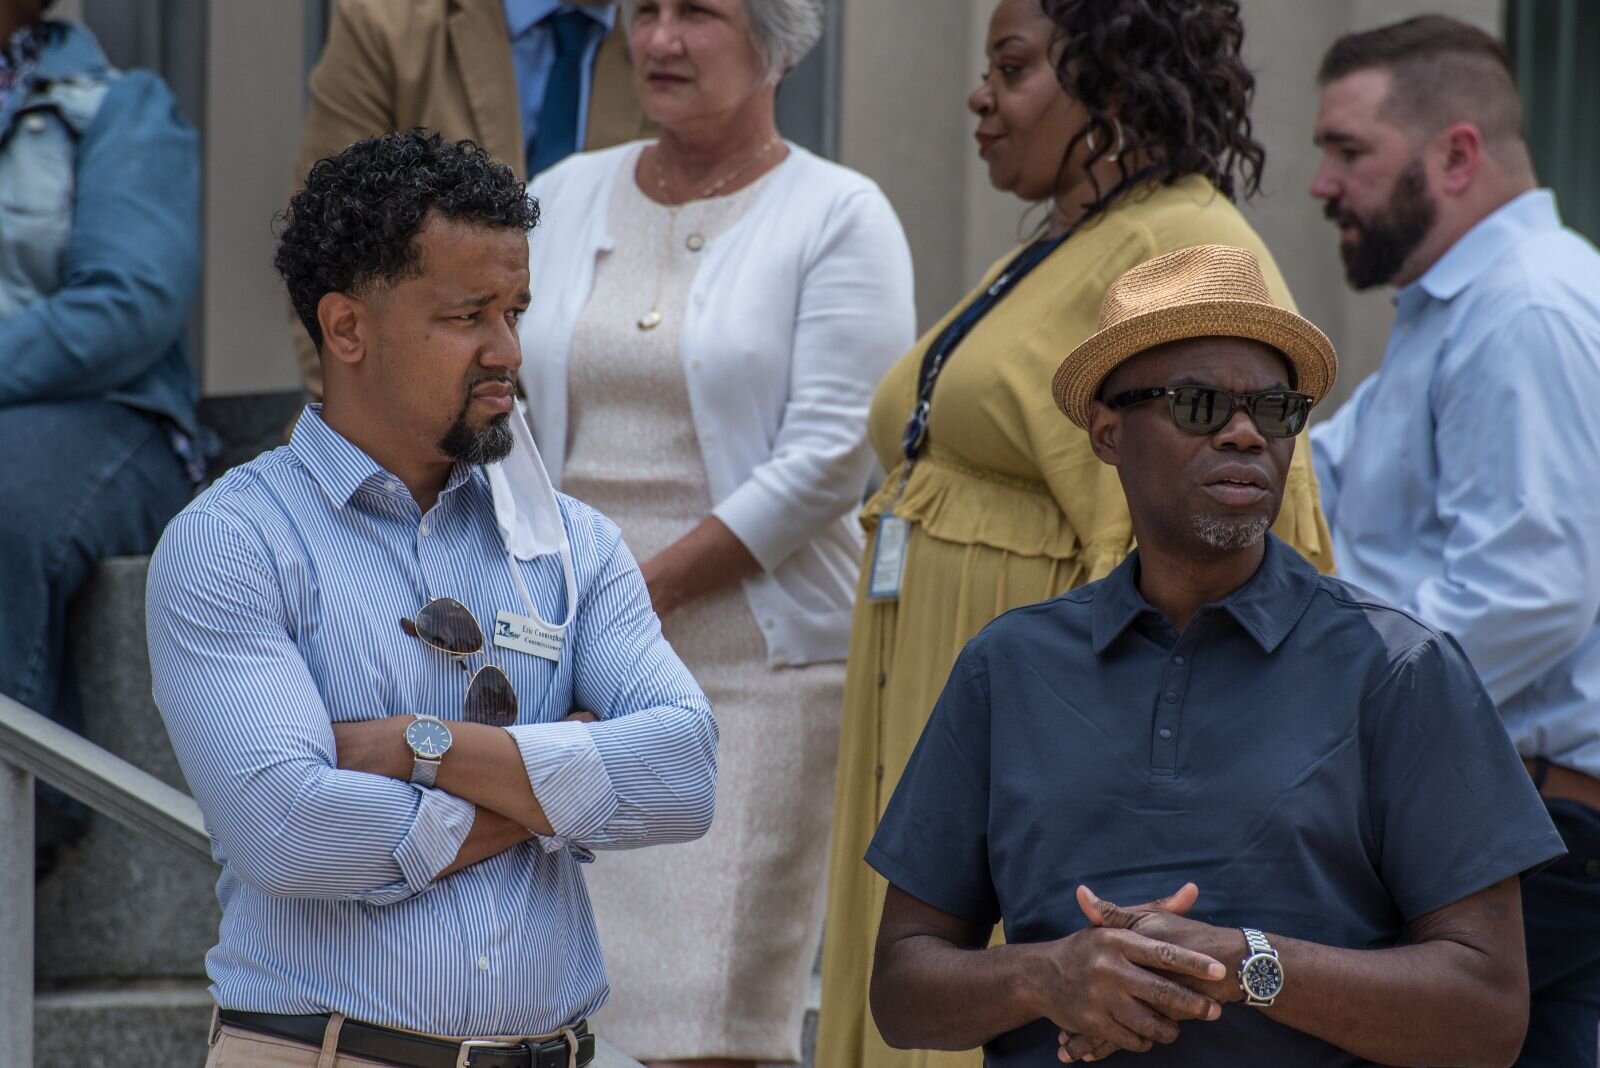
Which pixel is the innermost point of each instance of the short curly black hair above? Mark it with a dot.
(1171, 72)
(353, 225)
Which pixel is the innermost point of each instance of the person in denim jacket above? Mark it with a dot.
(99, 259)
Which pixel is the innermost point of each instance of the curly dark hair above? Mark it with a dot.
(1171, 71)
(352, 227)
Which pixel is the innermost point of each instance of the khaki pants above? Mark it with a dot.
(233, 1048)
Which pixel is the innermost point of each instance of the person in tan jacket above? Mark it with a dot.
(453, 66)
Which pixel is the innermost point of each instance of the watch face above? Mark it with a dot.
(1262, 977)
(427, 738)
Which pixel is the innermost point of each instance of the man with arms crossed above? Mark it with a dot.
(394, 884)
(1460, 481)
(1215, 714)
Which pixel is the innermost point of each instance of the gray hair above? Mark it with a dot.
(782, 31)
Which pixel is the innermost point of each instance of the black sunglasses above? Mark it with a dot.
(1278, 413)
(445, 624)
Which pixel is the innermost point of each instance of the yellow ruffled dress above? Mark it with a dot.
(1008, 505)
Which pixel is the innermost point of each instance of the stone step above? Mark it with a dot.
(152, 1023)
(117, 907)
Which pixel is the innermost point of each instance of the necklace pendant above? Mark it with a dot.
(650, 320)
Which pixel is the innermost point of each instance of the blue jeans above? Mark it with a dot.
(1561, 913)
(84, 480)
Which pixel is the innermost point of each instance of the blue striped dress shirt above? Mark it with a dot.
(274, 607)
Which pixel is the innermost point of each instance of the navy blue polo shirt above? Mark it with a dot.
(1322, 765)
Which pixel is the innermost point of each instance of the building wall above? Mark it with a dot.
(255, 85)
(908, 65)
(904, 70)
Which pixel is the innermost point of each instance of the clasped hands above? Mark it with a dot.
(1127, 981)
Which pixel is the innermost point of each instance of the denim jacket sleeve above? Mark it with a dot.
(133, 255)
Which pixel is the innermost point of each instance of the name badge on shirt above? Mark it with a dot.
(526, 635)
(888, 558)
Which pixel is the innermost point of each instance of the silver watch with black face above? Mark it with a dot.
(1261, 974)
(429, 740)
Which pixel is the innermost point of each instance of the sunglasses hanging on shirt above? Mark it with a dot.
(446, 624)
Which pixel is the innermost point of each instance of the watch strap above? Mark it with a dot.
(423, 772)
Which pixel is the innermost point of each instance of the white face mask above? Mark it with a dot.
(528, 516)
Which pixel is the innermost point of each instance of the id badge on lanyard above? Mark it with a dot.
(888, 558)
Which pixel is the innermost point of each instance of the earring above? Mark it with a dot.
(1088, 139)
(1116, 150)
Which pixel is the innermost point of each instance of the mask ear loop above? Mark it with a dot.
(572, 589)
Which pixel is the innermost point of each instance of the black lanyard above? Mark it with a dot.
(915, 435)
(938, 354)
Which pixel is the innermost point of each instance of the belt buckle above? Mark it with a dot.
(464, 1057)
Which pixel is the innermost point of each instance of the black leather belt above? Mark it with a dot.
(417, 1051)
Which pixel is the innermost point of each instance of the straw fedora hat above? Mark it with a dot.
(1204, 291)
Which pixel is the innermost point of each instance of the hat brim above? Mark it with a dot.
(1307, 349)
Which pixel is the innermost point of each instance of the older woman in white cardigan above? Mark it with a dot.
(711, 312)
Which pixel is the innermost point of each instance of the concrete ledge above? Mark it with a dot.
(158, 1023)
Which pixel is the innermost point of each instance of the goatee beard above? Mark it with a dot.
(1230, 533)
(488, 445)
(1385, 241)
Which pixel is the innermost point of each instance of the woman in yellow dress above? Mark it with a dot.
(1128, 118)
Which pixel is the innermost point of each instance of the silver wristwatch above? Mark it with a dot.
(1261, 974)
(429, 740)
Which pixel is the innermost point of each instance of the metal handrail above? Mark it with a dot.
(31, 745)
(105, 782)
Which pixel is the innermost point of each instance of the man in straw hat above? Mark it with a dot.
(1310, 788)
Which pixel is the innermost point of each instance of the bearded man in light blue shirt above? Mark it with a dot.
(1462, 480)
(411, 687)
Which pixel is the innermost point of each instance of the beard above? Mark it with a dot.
(1386, 240)
(488, 444)
(1230, 533)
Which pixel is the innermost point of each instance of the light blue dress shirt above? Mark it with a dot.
(1462, 480)
(274, 608)
(533, 52)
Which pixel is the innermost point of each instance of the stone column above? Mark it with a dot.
(16, 913)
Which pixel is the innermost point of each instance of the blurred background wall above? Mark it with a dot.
(885, 94)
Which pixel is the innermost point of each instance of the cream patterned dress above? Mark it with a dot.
(708, 945)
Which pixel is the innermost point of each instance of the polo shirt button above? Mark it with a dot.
(423, 530)
(483, 964)
(877, 772)
(34, 123)
(1178, 660)
(882, 678)
(1172, 697)
(1165, 732)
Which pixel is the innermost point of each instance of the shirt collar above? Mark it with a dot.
(342, 469)
(1534, 212)
(70, 51)
(1267, 607)
(524, 15)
